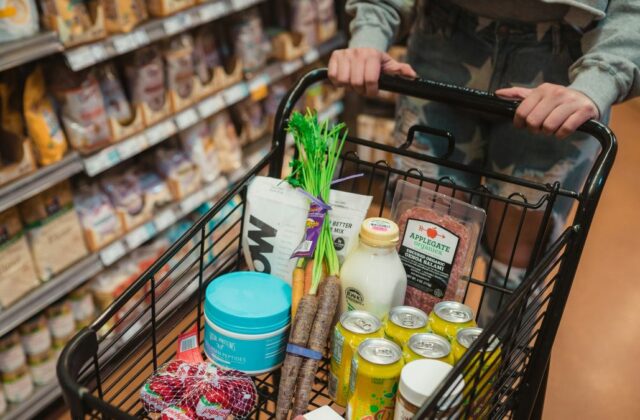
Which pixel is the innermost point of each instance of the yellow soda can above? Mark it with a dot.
(487, 361)
(403, 322)
(353, 328)
(375, 372)
(428, 346)
(448, 317)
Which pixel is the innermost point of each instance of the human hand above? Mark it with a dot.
(359, 69)
(551, 109)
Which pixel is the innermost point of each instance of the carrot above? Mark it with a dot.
(328, 298)
(299, 336)
(308, 276)
(297, 290)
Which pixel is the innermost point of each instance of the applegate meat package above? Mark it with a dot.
(274, 224)
(439, 236)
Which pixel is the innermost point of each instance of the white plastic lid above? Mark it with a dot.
(420, 378)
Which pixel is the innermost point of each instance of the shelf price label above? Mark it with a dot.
(212, 11)
(210, 106)
(173, 24)
(138, 236)
(80, 58)
(160, 132)
(242, 4)
(99, 52)
(192, 202)
(124, 43)
(235, 93)
(132, 146)
(104, 159)
(165, 219)
(289, 67)
(112, 253)
(187, 118)
(142, 37)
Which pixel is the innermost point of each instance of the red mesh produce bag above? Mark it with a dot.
(182, 390)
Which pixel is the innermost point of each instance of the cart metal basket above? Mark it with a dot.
(103, 367)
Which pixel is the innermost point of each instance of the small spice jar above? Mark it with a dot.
(11, 353)
(43, 367)
(17, 385)
(60, 319)
(82, 306)
(35, 335)
(418, 380)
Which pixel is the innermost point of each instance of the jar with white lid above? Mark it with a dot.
(373, 277)
(418, 381)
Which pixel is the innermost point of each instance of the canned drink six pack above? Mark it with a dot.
(367, 374)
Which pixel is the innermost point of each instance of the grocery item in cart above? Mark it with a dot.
(43, 367)
(447, 318)
(372, 276)
(353, 328)
(247, 318)
(53, 230)
(439, 237)
(226, 141)
(124, 15)
(35, 335)
(18, 385)
(375, 372)
(404, 322)
(199, 147)
(12, 355)
(98, 217)
(428, 346)
(274, 223)
(251, 45)
(18, 19)
(485, 363)
(418, 382)
(115, 99)
(83, 108)
(43, 126)
(18, 270)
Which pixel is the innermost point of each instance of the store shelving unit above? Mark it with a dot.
(16, 53)
(38, 181)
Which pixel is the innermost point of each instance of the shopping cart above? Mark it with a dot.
(102, 369)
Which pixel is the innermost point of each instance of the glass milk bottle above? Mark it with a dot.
(373, 277)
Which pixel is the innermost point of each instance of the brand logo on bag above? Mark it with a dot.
(354, 295)
(260, 246)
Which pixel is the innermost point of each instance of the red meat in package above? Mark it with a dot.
(438, 239)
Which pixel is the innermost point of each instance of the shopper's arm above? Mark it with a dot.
(373, 28)
(607, 73)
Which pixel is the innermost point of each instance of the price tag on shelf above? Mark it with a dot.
(290, 67)
(142, 37)
(160, 132)
(99, 52)
(212, 11)
(165, 219)
(102, 160)
(173, 25)
(80, 58)
(132, 146)
(138, 236)
(311, 56)
(192, 202)
(235, 93)
(124, 43)
(241, 4)
(210, 105)
(112, 253)
(187, 118)
(258, 87)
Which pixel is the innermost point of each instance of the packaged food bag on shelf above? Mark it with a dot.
(76, 22)
(124, 119)
(207, 62)
(18, 19)
(83, 108)
(274, 224)
(43, 126)
(167, 7)
(155, 190)
(124, 15)
(182, 175)
(327, 23)
(252, 119)
(251, 45)
(438, 240)
(17, 268)
(125, 193)
(146, 78)
(98, 217)
(227, 144)
(53, 229)
(178, 57)
(199, 147)
(304, 18)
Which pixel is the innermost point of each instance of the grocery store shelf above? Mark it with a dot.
(41, 398)
(48, 292)
(152, 31)
(38, 181)
(119, 152)
(331, 112)
(16, 53)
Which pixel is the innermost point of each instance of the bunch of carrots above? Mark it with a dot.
(315, 285)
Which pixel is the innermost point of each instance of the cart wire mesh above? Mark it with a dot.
(102, 369)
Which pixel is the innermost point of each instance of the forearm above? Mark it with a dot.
(377, 23)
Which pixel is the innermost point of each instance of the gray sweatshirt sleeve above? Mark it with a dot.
(608, 72)
(377, 22)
